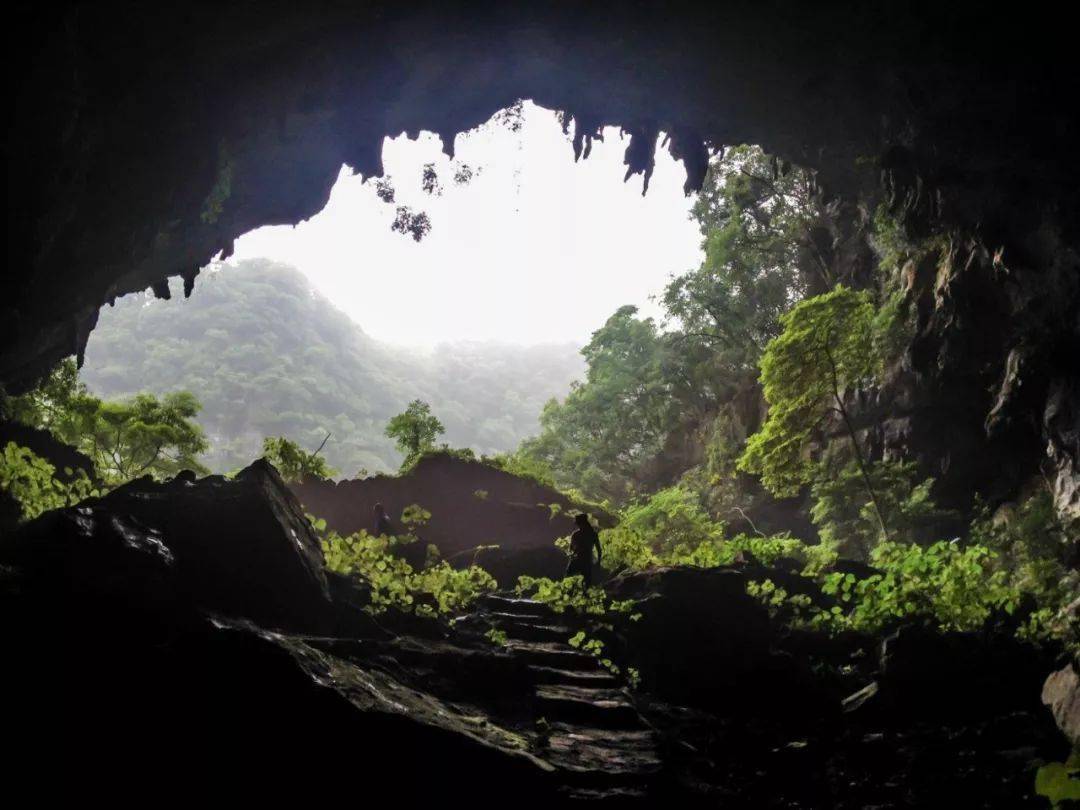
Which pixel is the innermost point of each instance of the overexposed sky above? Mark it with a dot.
(534, 249)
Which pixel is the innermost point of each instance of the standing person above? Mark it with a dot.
(582, 543)
(383, 526)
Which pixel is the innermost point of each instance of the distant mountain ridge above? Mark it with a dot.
(267, 355)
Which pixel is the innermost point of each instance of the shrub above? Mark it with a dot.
(436, 590)
(33, 483)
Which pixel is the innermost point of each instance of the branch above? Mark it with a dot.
(854, 439)
(321, 446)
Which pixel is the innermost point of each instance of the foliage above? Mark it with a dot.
(414, 430)
(293, 462)
(436, 590)
(268, 356)
(617, 433)
(951, 586)
(414, 516)
(143, 435)
(825, 348)
(1033, 546)
(609, 426)
(497, 637)
(570, 594)
(1057, 782)
(845, 517)
(671, 528)
(524, 465)
(33, 483)
(416, 224)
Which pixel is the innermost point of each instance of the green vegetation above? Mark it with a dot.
(667, 429)
(847, 519)
(267, 356)
(823, 350)
(293, 462)
(435, 590)
(35, 485)
(414, 431)
(143, 435)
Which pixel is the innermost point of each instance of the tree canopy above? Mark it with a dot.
(143, 435)
(415, 430)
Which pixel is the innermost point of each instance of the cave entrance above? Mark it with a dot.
(469, 281)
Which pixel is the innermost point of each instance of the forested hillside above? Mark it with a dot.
(266, 355)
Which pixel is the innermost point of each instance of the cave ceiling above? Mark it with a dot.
(143, 139)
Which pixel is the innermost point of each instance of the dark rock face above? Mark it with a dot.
(700, 636)
(933, 676)
(471, 503)
(129, 635)
(128, 656)
(242, 548)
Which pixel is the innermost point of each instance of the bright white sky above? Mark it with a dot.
(535, 249)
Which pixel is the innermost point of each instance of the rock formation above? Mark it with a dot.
(472, 504)
(186, 631)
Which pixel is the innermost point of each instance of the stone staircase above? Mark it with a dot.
(595, 735)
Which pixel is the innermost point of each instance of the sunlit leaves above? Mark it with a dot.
(34, 484)
(293, 462)
(825, 348)
(435, 590)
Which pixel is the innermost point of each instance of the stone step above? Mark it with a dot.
(614, 754)
(515, 618)
(617, 796)
(597, 678)
(537, 632)
(509, 604)
(601, 708)
(551, 654)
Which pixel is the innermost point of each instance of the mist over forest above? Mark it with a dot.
(266, 355)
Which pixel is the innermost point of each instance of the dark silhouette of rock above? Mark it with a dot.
(926, 674)
(472, 504)
(128, 657)
(241, 548)
(701, 638)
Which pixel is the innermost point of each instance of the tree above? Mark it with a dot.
(143, 435)
(600, 438)
(826, 347)
(415, 430)
(623, 431)
(755, 216)
(293, 462)
(845, 516)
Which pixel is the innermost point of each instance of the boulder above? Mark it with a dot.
(701, 640)
(1061, 694)
(240, 548)
(929, 675)
(472, 503)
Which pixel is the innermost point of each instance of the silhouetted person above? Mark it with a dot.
(382, 522)
(582, 543)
